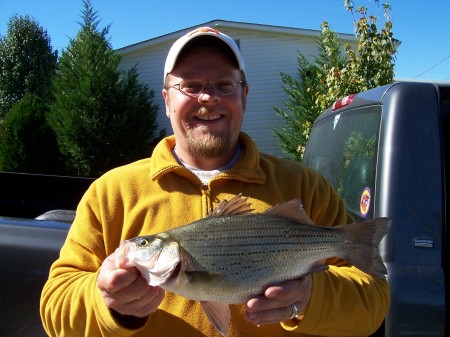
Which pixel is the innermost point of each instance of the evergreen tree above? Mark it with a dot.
(27, 62)
(303, 106)
(335, 74)
(28, 143)
(102, 117)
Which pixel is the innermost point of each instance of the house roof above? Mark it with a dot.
(236, 25)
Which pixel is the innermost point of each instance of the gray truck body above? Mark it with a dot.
(387, 155)
(29, 246)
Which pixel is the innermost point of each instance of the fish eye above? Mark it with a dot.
(143, 242)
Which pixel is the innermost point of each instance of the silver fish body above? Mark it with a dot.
(231, 258)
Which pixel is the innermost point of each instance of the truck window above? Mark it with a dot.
(348, 159)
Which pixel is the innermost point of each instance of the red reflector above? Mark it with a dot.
(342, 102)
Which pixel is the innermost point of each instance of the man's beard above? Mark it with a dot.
(208, 146)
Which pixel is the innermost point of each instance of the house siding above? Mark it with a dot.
(266, 54)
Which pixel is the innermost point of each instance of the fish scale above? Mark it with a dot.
(239, 248)
(234, 255)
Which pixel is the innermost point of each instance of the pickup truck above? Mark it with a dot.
(35, 214)
(384, 150)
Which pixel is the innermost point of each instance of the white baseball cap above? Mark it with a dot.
(183, 41)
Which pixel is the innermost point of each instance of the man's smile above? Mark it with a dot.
(208, 117)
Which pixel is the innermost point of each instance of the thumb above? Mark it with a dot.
(121, 256)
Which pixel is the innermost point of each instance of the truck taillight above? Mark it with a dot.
(342, 102)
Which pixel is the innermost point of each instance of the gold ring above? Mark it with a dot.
(294, 311)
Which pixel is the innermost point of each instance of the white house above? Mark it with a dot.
(267, 50)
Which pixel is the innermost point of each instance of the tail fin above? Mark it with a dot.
(362, 241)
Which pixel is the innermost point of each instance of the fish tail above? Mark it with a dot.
(362, 245)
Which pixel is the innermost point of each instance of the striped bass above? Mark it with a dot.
(233, 254)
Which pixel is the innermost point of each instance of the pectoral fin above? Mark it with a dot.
(218, 314)
(202, 276)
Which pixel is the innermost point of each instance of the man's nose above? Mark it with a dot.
(208, 93)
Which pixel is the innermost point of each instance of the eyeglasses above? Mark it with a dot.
(224, 86)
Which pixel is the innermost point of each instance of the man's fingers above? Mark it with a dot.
(289, 289)
(271, 316)
(116, 279)
(277, 303)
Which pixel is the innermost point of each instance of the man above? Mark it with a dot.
(207, 159)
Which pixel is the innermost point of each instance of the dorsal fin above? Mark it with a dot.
(292, 209)
(236, 206)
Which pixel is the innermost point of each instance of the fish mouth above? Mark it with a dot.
(176, 271)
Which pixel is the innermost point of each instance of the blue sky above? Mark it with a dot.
(423, 27)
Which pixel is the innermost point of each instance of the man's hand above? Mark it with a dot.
(275, 305)
(126, 292)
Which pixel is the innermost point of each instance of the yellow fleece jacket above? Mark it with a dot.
(156, 194)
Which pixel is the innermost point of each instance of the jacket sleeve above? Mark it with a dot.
(71, 303)
(345, 301)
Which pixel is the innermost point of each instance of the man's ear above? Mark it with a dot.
(165, 95)
(244, 97)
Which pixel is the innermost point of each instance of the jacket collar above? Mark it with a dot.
(247, 168)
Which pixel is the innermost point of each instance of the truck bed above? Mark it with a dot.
(29, 246)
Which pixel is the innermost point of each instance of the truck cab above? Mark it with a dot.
(386, 152)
